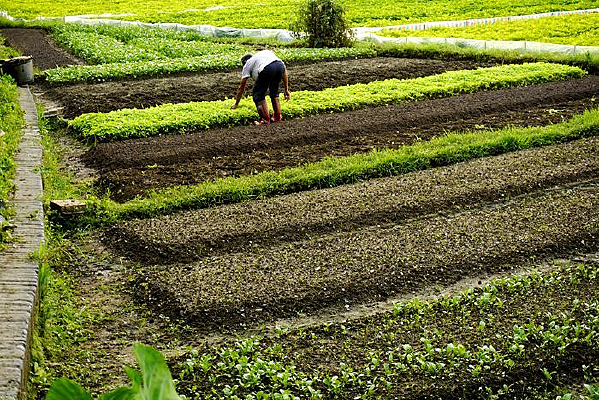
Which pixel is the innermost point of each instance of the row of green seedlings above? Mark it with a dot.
(256, 368)
(133, 52)
(140, 51)
(11, 122)
(184, 117)
(576, 29)
(105, 44)
(544, 342)
(211, 62)
(330, 172)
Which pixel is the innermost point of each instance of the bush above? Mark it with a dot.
(324, 23)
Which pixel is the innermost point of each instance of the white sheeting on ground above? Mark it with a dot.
(362, 33)
(487, 44)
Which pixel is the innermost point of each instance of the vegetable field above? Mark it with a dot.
(422, 228)
(277, 14)
(579, 30)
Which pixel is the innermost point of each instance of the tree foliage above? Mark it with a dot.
(323, 23)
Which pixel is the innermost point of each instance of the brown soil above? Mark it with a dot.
(103, 97)
(278, 257)
(37, 43)
(192, 235)
(130, 168)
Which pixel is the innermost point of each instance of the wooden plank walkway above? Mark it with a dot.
(18, 272)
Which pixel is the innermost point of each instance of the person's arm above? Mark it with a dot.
(286, 85)
(240, 92)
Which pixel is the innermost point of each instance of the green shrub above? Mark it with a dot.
(324, 23)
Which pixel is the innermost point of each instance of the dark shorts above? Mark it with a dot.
(268, 80)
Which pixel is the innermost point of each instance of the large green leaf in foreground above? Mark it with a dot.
(154, 383)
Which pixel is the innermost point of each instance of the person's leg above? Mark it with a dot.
(276, 109)
(259, 96)
(262, 107)
(276, 70)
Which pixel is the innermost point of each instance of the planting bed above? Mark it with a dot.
(133, 167)
(35, 42)
(366, 242)
(341, 255)
(103, 97)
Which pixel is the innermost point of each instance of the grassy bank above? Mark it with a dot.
(11, 122)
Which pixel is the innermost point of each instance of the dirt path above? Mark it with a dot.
(37, 43)
(133, 167)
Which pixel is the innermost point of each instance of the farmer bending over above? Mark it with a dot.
(267, 70)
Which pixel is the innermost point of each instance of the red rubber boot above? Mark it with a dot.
(276, 109)
(263, 112)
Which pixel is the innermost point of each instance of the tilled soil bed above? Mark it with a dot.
(133, 167)
(192, 235)
(37, 43)
(181, 88)
(475, 226)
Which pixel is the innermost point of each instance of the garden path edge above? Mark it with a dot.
(18, 270)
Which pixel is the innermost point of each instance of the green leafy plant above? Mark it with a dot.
(131, 51)
(275, 13)
(445, 353)
(153, 383)
(179, 118)
(104, 44)
(324, 24)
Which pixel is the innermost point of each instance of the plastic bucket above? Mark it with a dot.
(20, 68)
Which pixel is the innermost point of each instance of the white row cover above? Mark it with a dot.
(487, 44)
(363, 33)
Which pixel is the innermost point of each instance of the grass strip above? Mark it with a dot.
(444, 150)
(179, 118)
(11, 122)
(61, 323)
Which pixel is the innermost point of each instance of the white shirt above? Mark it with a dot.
(256, 64)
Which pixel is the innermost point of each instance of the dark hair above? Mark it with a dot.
(245, 58)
